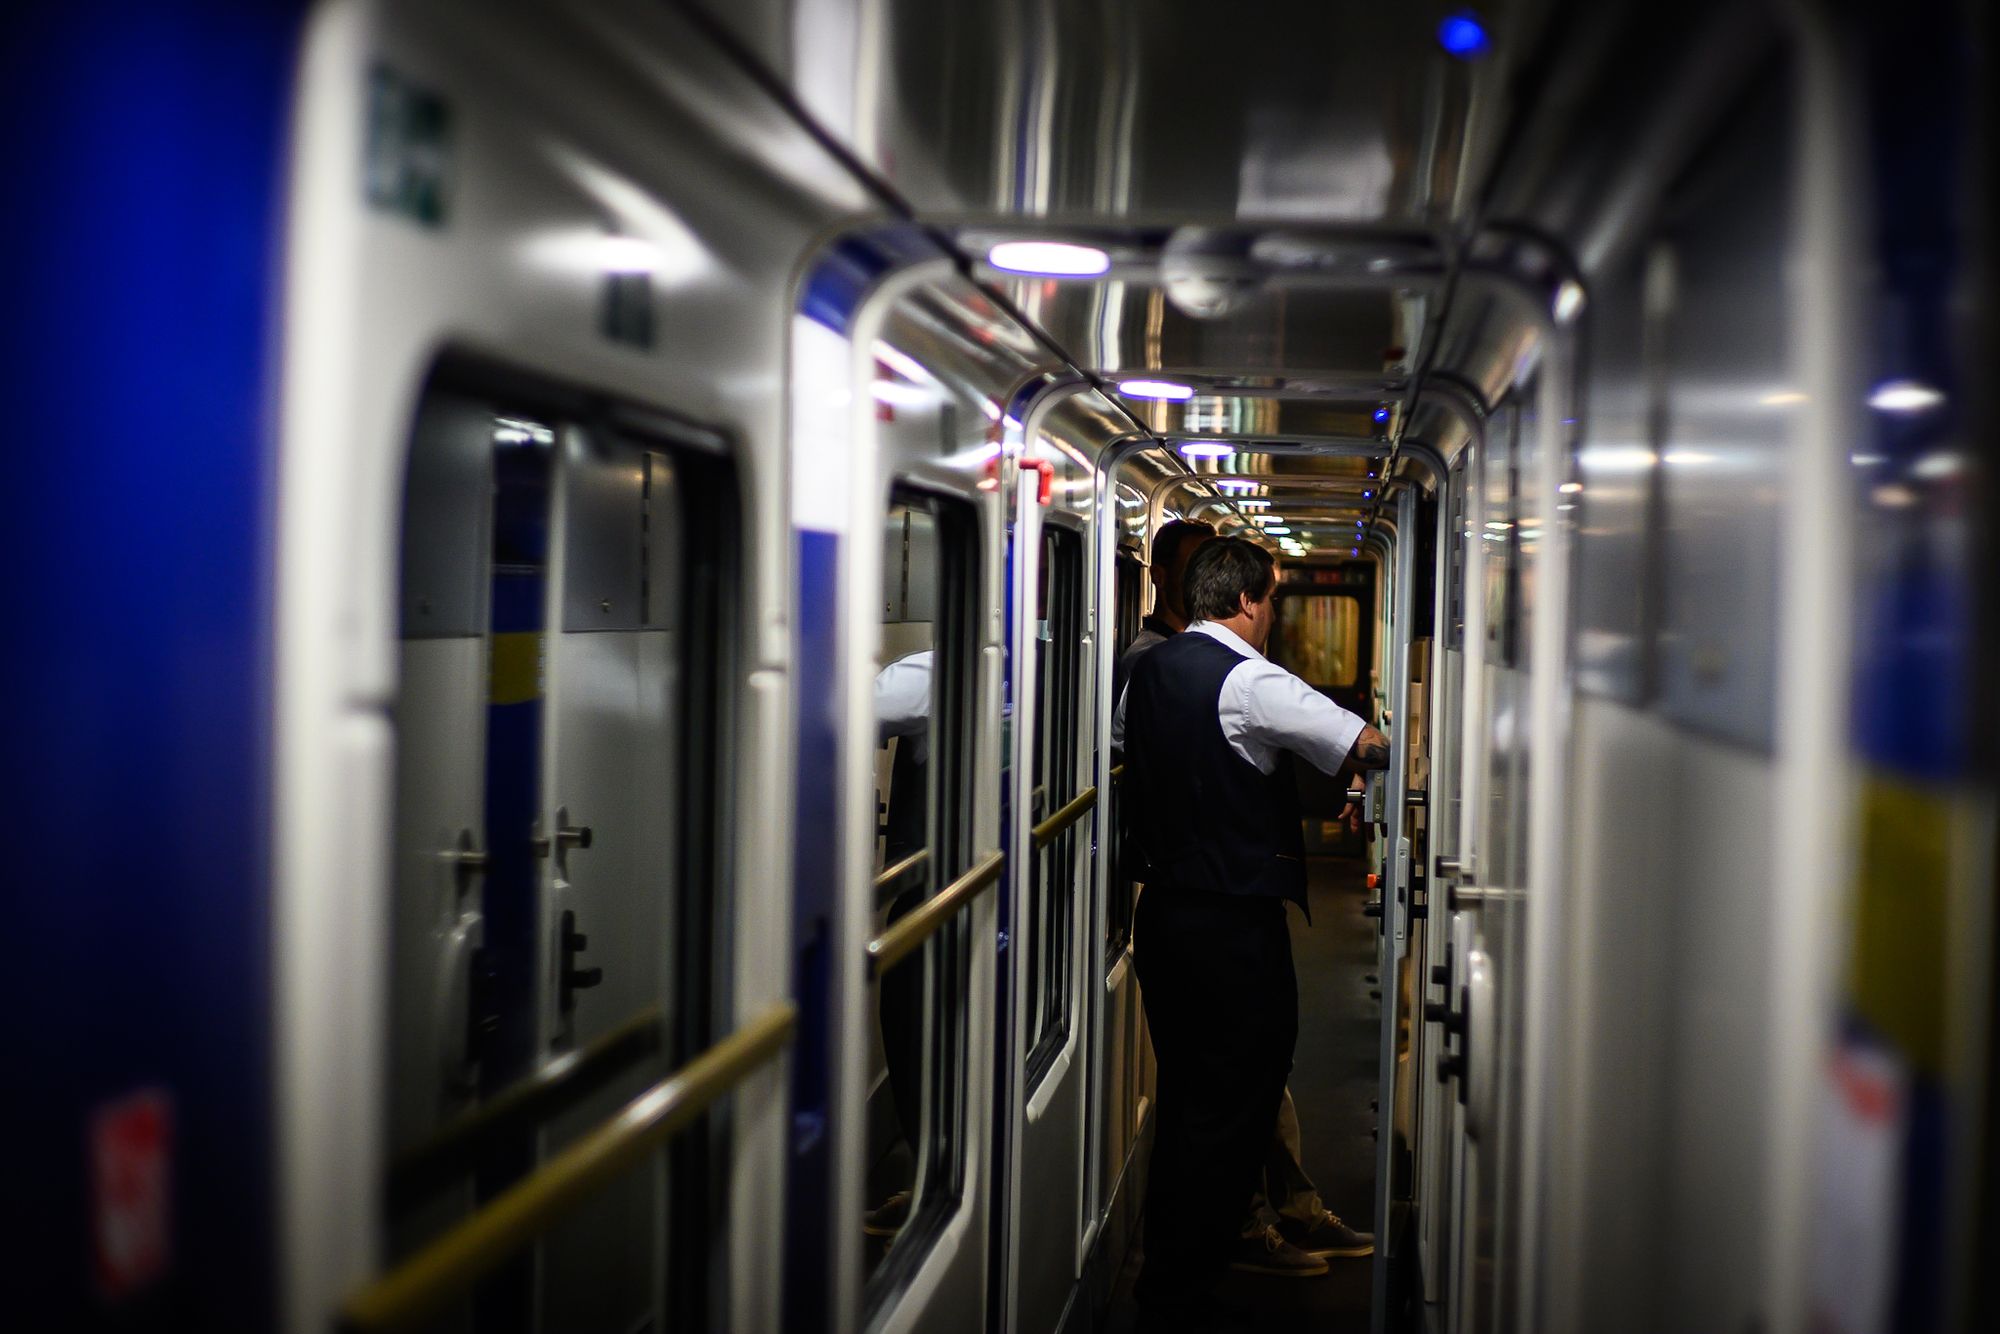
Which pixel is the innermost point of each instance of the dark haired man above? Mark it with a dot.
(1209, 728)
(1173, 546)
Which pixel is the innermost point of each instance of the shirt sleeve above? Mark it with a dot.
(903, 697)
(1118, 721)
(1280, 711)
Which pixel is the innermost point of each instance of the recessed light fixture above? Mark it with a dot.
(1463, 35)
(1354, 551)
(1943, 463)
(1059, 259)
(1570, 488)
(1569, 300)
(627, 255)
(1166, 390)
(1277, 530)
(1381, 414)
(1267, 518)
(1206, 449)
(1905, 397)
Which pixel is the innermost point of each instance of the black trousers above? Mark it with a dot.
(1215, 974)
(902, 1018)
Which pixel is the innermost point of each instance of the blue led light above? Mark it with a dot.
(1381, 414)
(1463, 35)
(1367, 495)
(1354, 551)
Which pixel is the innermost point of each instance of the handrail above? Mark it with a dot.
(888, 876)
(1072, 811)
(906, 933)
(1118, 773)
(453, 1262)
(532, 1102)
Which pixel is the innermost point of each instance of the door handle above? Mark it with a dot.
(571, 978)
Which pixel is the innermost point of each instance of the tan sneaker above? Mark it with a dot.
(1268, 1252)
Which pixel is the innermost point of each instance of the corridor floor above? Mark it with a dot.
(1333, 1082)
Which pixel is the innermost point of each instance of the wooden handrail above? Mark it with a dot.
(522, 1107)
(906, 933)
(889, 876)
(451, 1264)
(1071, 812)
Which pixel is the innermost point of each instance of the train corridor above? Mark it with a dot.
(1334, 1073)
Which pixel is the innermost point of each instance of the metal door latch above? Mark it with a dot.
(570, 978)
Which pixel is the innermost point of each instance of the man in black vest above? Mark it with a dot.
(1209, 728)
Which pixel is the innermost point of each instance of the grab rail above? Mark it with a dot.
(906, 933)
(1071, 812)
(453, 1262)
(453, 1152)
(889, 876)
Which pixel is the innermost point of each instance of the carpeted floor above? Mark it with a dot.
(1334, 1084)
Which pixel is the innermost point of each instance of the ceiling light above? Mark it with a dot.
(1267, 518)
(1463, 35)
(1061, 259)
(1277, 530)
(902, 395)
(628, 255)
(1570, 488)
(1161, 389)
(1905, 396)
(1569, 300)
(1206, 449)
(1784, 398)
(1381, 414)
(1944, 463)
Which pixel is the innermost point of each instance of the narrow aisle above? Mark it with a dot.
(1333, 1085)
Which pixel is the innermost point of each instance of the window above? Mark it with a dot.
(1319, 638)
(1129, 587)
(923, 683)
(564, 647)
(1053, 868)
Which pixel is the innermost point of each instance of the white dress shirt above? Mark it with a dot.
(1265, 710)
(903, 703)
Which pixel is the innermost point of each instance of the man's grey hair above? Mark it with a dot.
(1222, 572)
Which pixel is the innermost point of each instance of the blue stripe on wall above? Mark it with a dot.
(144, 147)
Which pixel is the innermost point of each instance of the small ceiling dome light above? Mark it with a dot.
(1367, 495)
(1059, 259)
(1381, 414)
(1463, 35)
(1354, 551)
(1161, 389)
(1905, 396)
(1206, 449)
